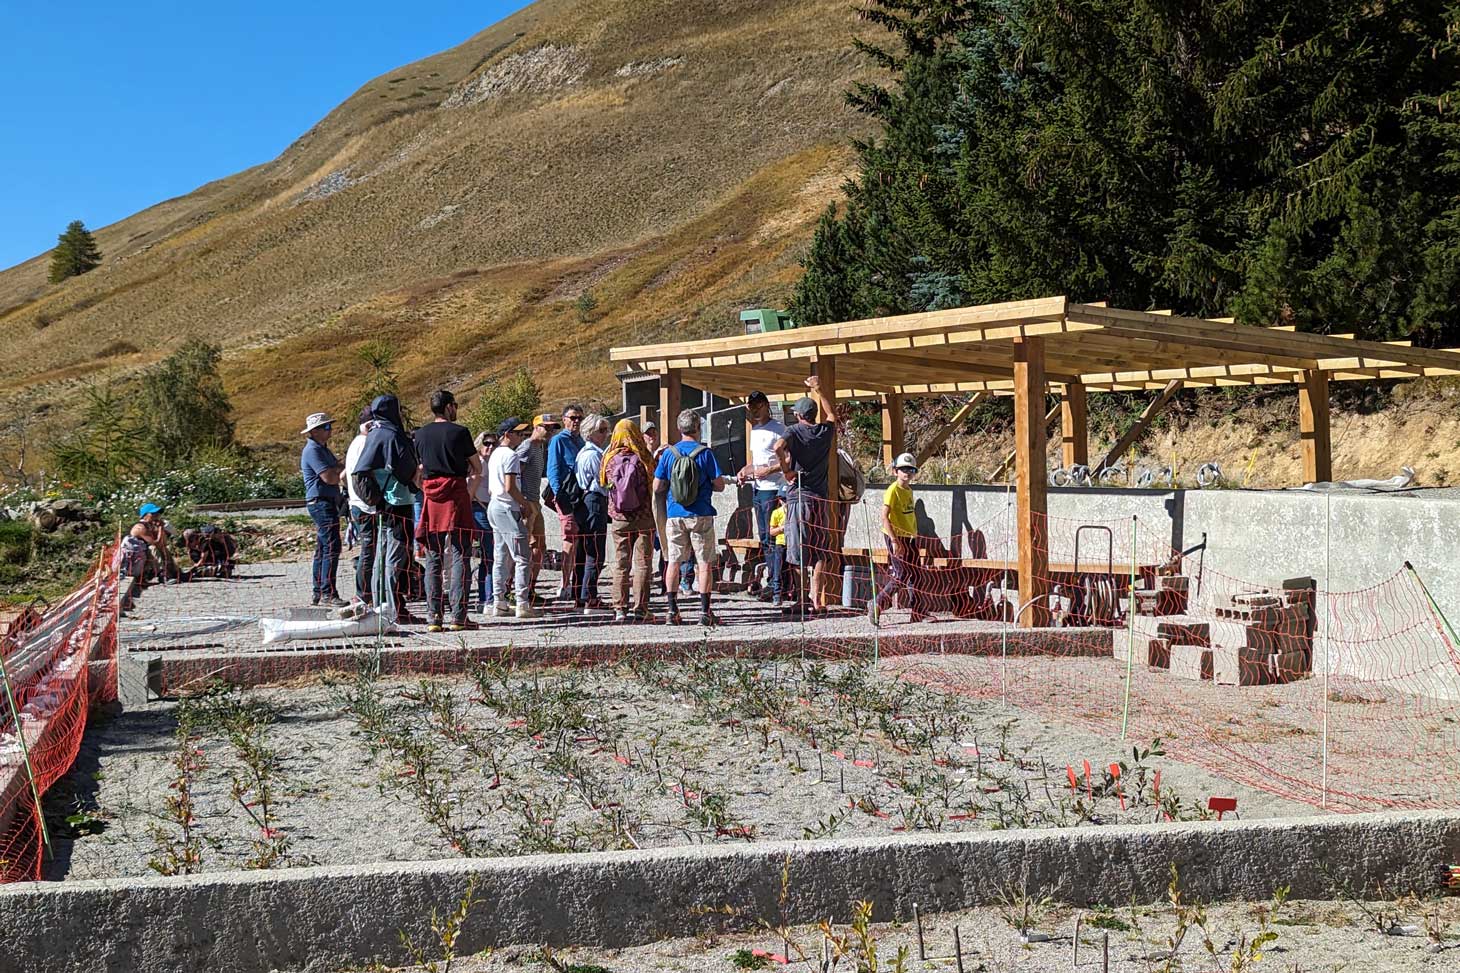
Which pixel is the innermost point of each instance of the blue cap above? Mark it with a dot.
(148, 508)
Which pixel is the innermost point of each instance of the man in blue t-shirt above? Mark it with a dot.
(562, 462)
(691, 526)
(322, 498)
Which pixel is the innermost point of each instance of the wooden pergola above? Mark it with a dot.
(1026, 349)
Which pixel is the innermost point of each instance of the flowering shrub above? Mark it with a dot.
(206, 483)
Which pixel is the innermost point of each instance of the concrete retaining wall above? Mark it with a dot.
(325, 918)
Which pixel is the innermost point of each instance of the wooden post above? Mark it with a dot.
(1031, 480)
(1313, 422)
(1074, 426)
(894, 441)
(824, 368)
(671, 399)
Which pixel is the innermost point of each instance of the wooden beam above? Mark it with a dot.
(671, 399)
(894, 435)
(824, 368)
(1138, 430)
(1003, 467)
(1074, 427)
(1313, 422)
(1030, 510)
(949, 427)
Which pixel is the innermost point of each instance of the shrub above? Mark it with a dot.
(517, 396)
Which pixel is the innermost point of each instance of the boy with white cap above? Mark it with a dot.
(899, 531)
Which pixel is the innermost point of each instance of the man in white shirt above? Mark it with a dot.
(512, 554)
(362, 518)
(763, 472)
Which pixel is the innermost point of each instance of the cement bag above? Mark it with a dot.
(291, 630)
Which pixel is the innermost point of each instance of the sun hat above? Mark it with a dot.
(483, 436)
(905, 461)
(148, 508)
(315, 420)
(511, 424)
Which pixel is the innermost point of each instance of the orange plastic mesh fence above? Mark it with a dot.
(55, 671)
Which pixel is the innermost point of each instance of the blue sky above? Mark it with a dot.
(111, 107)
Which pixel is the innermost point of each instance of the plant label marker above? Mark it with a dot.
(1075, 952)
(918, 921)
(1222, 805)
(1105, 953)
(958, 949)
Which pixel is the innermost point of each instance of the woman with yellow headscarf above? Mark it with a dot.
(627, 473)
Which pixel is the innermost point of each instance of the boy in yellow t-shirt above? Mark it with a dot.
(900, 530)
(775, 553)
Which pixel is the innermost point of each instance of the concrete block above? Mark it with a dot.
(1184, 629)
(1191, 662)
(1239, 665)
(1288, 666)
(324, 918)
(1158, 653)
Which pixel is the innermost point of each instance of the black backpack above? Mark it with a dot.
(569, 496)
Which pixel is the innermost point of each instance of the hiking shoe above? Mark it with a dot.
(620, 616)
(645, 617)
(333, 601)
(709, 620)
(434, 625)
(673, 618)
(502, 610)
(527, 611)
(465, 625)
(404, 617)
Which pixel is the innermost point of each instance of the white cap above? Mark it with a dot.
(906, 461)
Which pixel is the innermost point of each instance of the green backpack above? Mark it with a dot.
(684, 476)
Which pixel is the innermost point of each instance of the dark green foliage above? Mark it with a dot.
(76, 253)
(183, 404)
(518, 396)
(1280, 162)
(377, 358)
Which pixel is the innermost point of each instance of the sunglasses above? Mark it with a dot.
(573, 418)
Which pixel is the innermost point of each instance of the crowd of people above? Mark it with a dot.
(427, 507)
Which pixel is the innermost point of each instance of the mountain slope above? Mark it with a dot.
(670, 157)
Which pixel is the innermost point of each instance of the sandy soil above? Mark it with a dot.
(524, 760)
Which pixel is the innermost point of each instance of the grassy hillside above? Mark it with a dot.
(668, 157)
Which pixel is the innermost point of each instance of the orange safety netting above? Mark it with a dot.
(56, 671)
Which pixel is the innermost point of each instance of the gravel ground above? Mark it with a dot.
(523, 760)
(1310, 936)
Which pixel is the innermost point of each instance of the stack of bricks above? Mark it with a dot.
(1261, 638)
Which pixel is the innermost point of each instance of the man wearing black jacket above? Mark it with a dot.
(387, 471)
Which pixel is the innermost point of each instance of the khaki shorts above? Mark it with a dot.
(695, 534)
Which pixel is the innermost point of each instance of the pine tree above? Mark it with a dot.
(1289, 161)
(76, 252)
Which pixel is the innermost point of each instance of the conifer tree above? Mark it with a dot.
(76, 252)
(1291, 161)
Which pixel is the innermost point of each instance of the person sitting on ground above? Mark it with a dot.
(363, 519)
(481, 498)
(387, 469)
(805, 453)
(562, 458)
(212, 550)
(144, 554)
(449, 470)
(593, 512)
(627, 473)
(322, 498)
(899, 532)
(533, 453)
(513, 555)
(688, 474)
